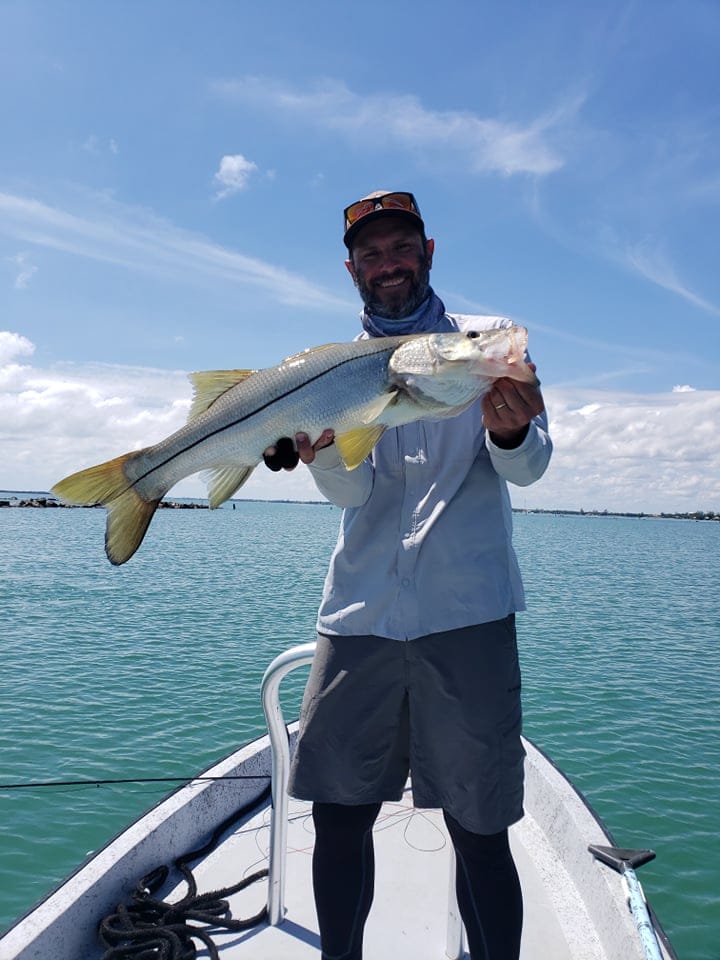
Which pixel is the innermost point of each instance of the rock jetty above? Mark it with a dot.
(52, 502)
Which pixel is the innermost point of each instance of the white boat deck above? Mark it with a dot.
(410, 911)
(575, 907)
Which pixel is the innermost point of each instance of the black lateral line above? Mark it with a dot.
(253, 413)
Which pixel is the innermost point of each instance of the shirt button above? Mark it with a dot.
(405, 582)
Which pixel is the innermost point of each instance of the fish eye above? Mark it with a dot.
(472, 334)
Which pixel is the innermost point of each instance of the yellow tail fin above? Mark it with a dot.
(129, 515)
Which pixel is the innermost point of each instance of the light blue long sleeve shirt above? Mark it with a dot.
(425, 541)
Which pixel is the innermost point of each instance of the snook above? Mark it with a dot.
(357, 389)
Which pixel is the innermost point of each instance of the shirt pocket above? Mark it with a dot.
(387, 455)
(455, 440)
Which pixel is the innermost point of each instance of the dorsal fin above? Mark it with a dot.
(357, 444)
(304, 354)
(211, 384)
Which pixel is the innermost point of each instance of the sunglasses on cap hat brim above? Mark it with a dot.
(367, 209)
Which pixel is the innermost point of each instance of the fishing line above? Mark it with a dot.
(102, 783)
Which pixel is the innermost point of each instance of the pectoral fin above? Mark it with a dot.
(355, 445)
(376, 407)
(211, 384)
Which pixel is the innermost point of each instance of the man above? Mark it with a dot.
(416, 666)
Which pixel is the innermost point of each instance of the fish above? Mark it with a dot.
(357, 389)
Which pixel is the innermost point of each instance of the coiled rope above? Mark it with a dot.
(153, 929)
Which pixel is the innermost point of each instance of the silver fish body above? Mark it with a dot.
(357, 389)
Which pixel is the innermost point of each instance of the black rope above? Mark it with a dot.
(153, 929)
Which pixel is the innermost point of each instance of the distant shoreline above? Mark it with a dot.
(47, 501)
(44, 500)
(695, 515)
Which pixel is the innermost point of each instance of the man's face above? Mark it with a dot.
(390, 265)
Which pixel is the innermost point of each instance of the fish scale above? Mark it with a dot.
(312, 392)
(356, 389)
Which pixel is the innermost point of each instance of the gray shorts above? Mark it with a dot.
(444, 707)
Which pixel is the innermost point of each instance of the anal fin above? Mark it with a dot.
(224, 480)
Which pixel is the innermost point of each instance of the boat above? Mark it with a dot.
(224, 863)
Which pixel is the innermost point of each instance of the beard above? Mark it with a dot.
(384, 305)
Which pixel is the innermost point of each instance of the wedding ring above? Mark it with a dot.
(499, 406)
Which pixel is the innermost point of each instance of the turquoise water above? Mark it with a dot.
(153, 670)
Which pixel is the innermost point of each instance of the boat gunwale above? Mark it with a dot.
(589, 868)
(133, 857)
(157, 829)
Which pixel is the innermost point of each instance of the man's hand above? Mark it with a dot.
(508, 408)
(285, 454)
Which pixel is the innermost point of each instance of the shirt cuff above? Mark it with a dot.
(326, 458)
(510, 452)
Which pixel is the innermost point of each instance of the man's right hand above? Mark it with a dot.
(285, 454)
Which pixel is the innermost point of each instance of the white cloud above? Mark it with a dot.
(654, 265)
(55, 421)
(95, 145)
(26, 272)
(13, 345)
(620, 452)
(234, 174)
(631, 452)
(136, 240)
(480, 144)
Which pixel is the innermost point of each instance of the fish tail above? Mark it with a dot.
(129, 513)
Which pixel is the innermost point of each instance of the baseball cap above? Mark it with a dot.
(380, 203)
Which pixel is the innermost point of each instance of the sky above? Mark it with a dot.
(173, 175)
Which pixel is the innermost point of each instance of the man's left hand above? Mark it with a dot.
(508, 407)
(285, 455)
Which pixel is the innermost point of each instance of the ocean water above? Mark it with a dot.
(153, 669)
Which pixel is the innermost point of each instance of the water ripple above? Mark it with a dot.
(154, 668)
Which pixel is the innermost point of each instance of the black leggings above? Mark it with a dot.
(488, 888)
(343, 876)
(488, 892)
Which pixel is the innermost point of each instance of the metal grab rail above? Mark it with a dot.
(280, 748)
(280, 667)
